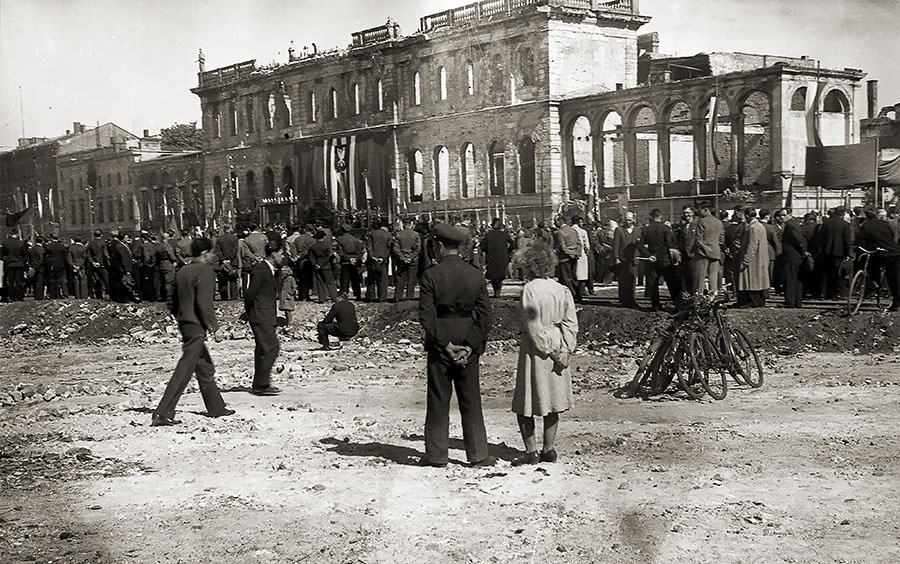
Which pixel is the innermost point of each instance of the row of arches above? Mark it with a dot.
(457, 176)
(648, 145)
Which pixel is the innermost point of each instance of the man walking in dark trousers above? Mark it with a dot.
(191, 303)
(455, 312)
(261, 311)
(15, 261)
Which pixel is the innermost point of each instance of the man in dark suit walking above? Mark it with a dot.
(191, 303)
(658, 244)
(455, 311)
(261, 311)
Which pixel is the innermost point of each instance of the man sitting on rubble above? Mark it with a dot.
(340, 322)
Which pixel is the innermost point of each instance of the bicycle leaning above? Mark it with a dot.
(864, 285)
(701, 349)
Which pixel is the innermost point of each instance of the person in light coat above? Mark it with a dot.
(543, 378)
(753, 274)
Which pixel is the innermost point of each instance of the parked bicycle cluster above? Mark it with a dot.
(699, 348)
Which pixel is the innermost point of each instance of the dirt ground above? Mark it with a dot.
(804, 469)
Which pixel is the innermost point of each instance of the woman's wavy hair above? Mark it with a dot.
(537, 261)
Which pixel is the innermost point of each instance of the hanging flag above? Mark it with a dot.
(40, 205)
(15, 218)
(813, 92)
(841, 165)
(789, 199)
(351, 173)
(713, 116)
(50, 203)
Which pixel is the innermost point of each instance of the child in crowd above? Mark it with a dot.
(288, 293)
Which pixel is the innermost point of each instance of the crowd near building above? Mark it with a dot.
(520, 110)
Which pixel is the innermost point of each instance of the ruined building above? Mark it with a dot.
(514, 105)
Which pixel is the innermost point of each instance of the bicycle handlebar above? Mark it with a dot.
(868, 252)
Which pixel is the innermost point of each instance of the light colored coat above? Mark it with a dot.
(551, 327)
(581, 266)
(754, 273)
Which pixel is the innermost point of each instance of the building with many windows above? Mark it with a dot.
(520, 106)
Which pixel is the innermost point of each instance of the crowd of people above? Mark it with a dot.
(751, 250)
(756, 252)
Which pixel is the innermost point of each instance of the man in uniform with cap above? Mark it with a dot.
(98, 263)
(455, 311)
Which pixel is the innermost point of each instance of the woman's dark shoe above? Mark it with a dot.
(528, 458)
(549, 456)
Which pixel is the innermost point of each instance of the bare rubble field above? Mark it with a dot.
(804, 469)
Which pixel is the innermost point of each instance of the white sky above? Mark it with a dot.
(133, 62)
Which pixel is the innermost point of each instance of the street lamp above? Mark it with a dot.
(543, 161)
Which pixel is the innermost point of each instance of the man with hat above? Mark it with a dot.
(455, 311)
(97, 262)
(76, 259)
(55, 268)
(704, 242)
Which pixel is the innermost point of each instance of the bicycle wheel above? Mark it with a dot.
(747, 359)
(664, 366)
(688, 377)
(727, 349)
(857, 292)
(643, 371)
(707, 365)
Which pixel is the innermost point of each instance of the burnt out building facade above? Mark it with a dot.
(513, 107)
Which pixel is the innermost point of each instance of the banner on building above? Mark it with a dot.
(840, 166)
(813, 93)
(351, 172)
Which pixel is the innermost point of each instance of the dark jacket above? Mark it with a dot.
(343, 313)
(835, 237)
(192, 299)
(55, 256)
(497, 245)
(261, 295)
(625, 244)
(793, 241)
(320, 253)
(349, 247)
(97, 253)
(14, 253)
(378, 244)
(658, 239)
(454, 305)
(227, 247)
(875, 233)
(36, 257)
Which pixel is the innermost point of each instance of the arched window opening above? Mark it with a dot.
(287, 182)
(416, 175)
(582, 151)
(417, 89)
(441, 172)
(646, 147)
(442, 78)
(681, 143)
(249, 115)
(798, 100)
(526, 166)
(467, 171)
(498, 78)
(834, 102)
(613, 151)
(755, 142)
(498, 167)
(526, 66)
(268, 183)
(249, 193)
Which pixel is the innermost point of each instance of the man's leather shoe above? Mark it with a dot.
(270, 391)
(224, 413)
(527, 458)
(162, 421)
(425, 462)
(549, 456)
(484, 462)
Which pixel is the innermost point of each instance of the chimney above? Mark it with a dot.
(68, 132)
(872, 97)
(146, 133)
(76, 127)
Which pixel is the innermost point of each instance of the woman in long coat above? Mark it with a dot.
(543, 379)
(753, 277)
